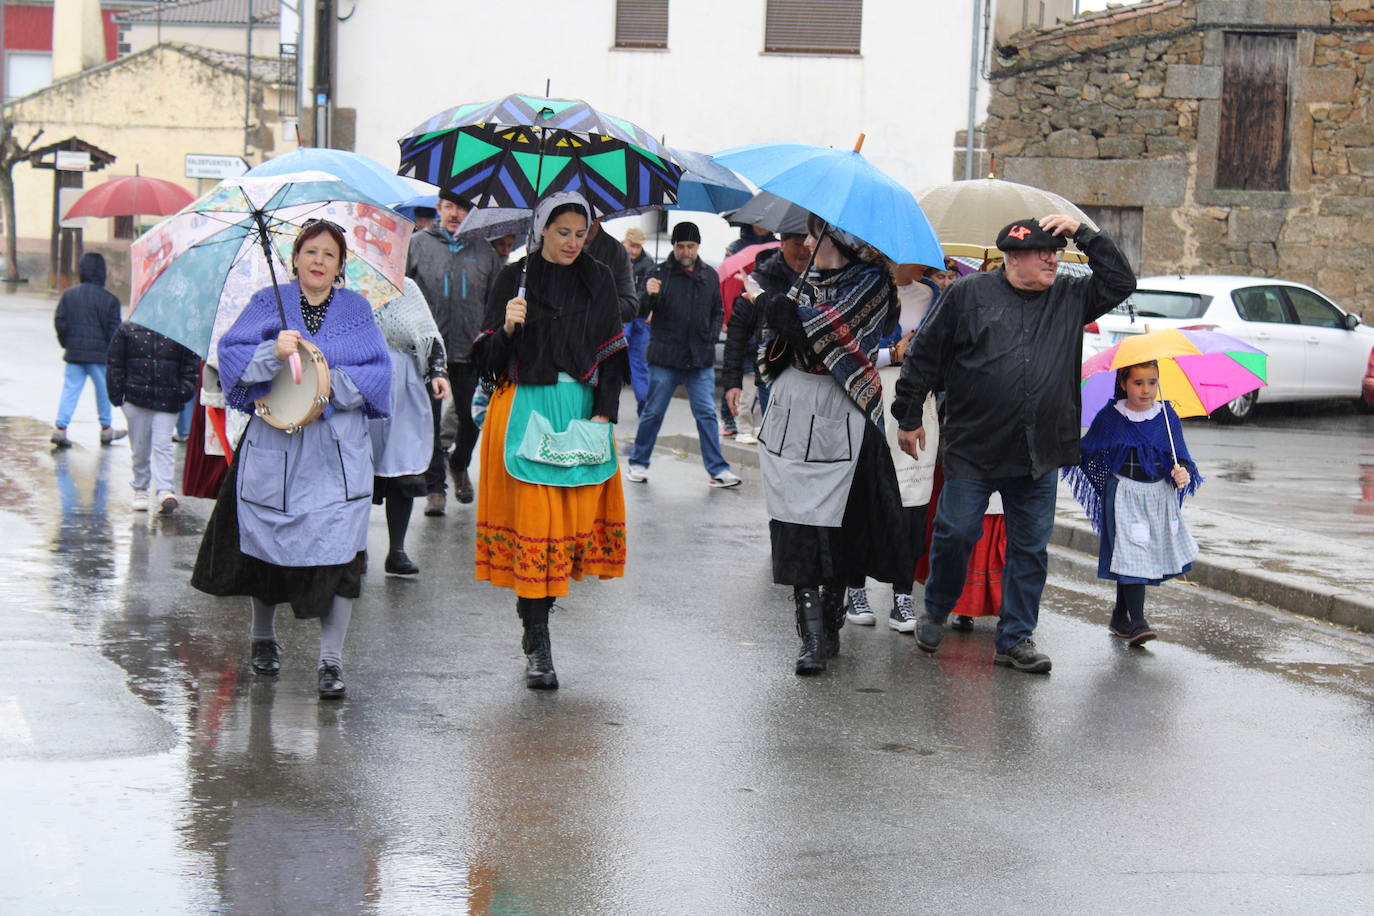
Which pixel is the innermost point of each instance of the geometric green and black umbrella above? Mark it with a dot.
(517, 150)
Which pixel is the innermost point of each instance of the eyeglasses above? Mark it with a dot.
(313, 220)
(1047, 254)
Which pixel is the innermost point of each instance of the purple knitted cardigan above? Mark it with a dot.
(349, 339)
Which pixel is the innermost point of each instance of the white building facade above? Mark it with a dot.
(896, 70)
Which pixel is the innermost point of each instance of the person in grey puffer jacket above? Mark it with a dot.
(86, 318)
(454, 273)
(151, 376)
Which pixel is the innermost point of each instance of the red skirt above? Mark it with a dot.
(982, 595)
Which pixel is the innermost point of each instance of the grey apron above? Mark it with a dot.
(808, 449)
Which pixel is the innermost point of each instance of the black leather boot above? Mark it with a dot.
(538, 648)
(832, 607)
(811, 629)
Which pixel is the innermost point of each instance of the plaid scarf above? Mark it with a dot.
(844, 314)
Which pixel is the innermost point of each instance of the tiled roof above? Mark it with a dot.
(206, 12)
(265, 69)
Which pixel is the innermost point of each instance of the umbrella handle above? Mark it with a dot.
(294, 361)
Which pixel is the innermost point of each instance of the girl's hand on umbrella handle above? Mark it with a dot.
(653, 286)
(899, 349)
(1181, 476)
(751, 286)
(515, 314)
(440, 386)
(287, 343)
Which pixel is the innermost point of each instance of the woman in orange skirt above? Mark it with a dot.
(549, 504)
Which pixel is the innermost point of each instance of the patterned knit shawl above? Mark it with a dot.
(349, 339)
(844, 314)
(1108, 445)
(408, 325)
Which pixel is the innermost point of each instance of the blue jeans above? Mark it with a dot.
(72, 385)
(637, 336)
(701, 390)
(1028, 504)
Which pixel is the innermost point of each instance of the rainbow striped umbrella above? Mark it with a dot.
(1198, 370)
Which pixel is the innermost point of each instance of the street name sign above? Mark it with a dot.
(201, 165)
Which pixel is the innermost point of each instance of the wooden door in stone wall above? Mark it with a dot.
(1252, 143)
(1125, 225)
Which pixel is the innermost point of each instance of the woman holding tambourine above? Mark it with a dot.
(290, 523)
(549, 504)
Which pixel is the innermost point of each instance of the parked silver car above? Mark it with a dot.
(1317, 350)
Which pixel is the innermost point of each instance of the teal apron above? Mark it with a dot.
(548, 442)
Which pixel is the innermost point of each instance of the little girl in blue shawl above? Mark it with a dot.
(1131, 480)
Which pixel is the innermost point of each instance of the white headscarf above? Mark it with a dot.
(548, 205)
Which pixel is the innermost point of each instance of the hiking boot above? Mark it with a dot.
(857, 609)
(929, 633)
(810, 628)
(434, 505)
(1141, 635)
(903, 618)
(1023, 657)
(109, 434)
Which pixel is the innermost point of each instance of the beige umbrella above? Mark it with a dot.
(967, 215)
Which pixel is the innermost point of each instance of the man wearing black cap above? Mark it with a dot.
(454, 273)
(1006, 347)
(682, 302)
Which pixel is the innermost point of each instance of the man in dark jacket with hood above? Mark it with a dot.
(151, 376)
(86, 319)
(682, 301)
(1006, 348)
(454, 273)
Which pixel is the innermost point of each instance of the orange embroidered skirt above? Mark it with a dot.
(535, 538)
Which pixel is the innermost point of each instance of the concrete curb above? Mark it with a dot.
(1347, 609)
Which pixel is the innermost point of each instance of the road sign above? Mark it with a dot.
(200, 165)
(73, 161)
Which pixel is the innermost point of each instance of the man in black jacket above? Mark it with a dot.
(1006, 348)
(86, 318)
(682, 302)
(774, 272)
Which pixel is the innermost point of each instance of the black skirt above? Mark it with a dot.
(223, 569)
(412, 485)
(871, 542)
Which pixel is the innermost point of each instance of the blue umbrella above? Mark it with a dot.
(707, 187)
(359, 172)
(844, 189)
(407, 208)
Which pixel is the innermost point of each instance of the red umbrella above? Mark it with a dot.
(130, 196)
(741, 260)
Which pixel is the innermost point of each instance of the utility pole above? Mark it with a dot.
(970, 151)
(323, 90)
(248, 82)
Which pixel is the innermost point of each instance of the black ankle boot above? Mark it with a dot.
(538, 648)
(811, 629)
(832, 609)
(398, 563)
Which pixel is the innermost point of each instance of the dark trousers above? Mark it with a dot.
(1028, 506)
(463, 379)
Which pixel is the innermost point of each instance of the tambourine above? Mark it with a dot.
(291, 405)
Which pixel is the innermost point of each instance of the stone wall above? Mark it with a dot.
(1121, 108)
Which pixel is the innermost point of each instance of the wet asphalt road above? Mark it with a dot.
(682, 768)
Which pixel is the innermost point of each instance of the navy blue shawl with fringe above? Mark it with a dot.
(1108, 445)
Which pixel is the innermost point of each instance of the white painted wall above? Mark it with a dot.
(712, 89)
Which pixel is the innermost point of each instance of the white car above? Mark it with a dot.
(1317, 350)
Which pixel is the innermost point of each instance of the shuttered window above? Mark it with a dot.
(641, 23)
(1253, 142)
(813, 26)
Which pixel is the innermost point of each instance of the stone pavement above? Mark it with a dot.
(1282, 528)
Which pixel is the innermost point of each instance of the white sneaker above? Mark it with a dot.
(747, 439)
(857, 609)
(166, 502)
(139, 502)
(636, 474)
(903, 618)
(725, 478)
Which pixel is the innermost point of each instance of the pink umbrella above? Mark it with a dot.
(741, 260)
(131, 196)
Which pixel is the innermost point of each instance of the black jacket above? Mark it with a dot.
(686, 316)
(604, 248)
(149, 370)
(87, 314)
(1009, 363)
(641, 265)
(745, 328)
(455, 275)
